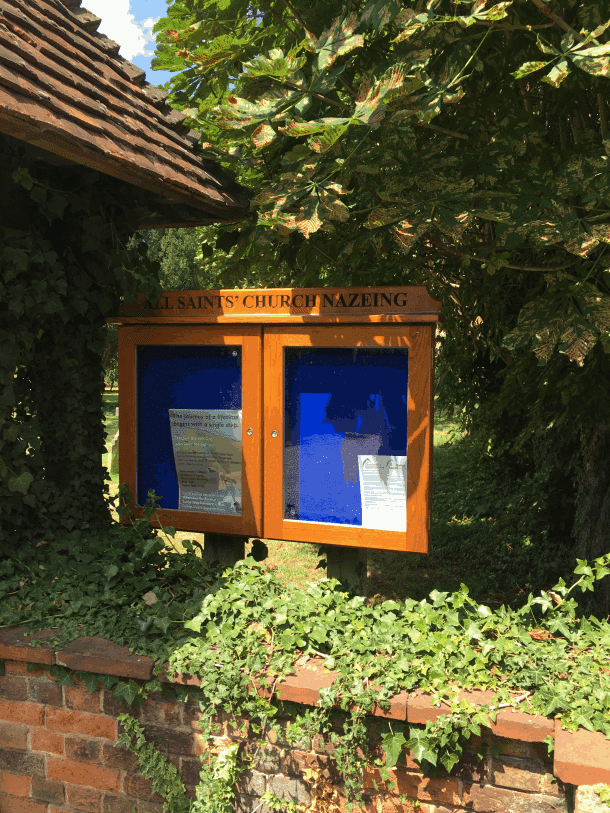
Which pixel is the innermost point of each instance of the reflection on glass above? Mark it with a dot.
(345, 436)
(189, 427)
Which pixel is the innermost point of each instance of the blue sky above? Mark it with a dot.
(130, 22)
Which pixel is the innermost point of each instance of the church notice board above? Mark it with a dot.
(297, 414)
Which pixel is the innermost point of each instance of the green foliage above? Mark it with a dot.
(251, 631)
(163, 774)
(463, 146)
(57, 285)
(125, 584)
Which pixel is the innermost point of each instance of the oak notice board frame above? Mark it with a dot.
(263, 325)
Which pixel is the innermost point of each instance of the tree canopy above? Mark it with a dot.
(463, 145)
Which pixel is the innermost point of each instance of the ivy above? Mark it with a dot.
(60, 278)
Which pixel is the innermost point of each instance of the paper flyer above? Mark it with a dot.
(383, 491)
(208, 458)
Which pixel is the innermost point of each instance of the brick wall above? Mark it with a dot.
(58, 754)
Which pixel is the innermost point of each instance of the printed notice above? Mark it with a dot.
(383, 491)
(208, 458)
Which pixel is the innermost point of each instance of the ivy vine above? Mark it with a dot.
(62, 271)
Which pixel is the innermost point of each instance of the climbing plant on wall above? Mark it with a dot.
(62, 272)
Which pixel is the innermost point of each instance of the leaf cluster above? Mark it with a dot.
(251, 631)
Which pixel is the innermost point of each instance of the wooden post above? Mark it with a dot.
(348, 566)
(224, 548)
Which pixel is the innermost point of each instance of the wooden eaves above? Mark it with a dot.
(66, 92)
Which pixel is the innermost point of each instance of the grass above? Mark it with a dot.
(481, 534)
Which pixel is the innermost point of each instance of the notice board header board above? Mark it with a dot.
(284, 305)
(297, 414)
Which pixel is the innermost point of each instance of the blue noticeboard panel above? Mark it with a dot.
(344, 407)
(191, 377)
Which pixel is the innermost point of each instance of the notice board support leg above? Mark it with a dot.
(347, 565)
(224, 548)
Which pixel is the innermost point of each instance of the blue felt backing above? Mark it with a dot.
(339, 403)
(178, 377)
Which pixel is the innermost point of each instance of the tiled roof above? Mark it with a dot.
(65, 89)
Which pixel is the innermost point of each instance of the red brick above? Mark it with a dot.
(120, 758)
(86, 799)
(49, 741)
(45, 692)
(22, 762)
(13, 735)
(140, 787)
(517, 725)
(114, 707)
(21, 668)
(416, 785)
(190, 770)
(520, 774)
(82, 773)
(392, 804)
(152, 807)
(15, 645)
(15, 784)
(397, 710)
(581, 757)
(106, 658)
(165, 712)
(490, 799)
(420, 710)
(176, 742)
(83, 750)
(13, 688)
(79, 699)
(117, 804)
(80, 722)
(304, 686)
(25, 713)
(11, 804)
(47, 790)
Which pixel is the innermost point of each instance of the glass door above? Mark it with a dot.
(341, 429)
(195, 418)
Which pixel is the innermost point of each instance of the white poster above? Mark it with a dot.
(383, 491)
(208, 458)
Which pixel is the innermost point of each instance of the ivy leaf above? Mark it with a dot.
(392, 744)
(110, 571)
(21, 483)
(127, 691)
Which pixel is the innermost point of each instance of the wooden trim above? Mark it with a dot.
(419, 441)
(285, 306)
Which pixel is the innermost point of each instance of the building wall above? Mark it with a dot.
(57, 753)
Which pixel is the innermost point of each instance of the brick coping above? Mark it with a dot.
(581, 757)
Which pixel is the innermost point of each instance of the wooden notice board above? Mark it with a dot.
(298, 414)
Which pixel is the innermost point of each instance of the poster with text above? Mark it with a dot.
(208, 458)
(383, 491)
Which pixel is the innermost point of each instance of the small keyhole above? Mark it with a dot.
(249, 431)
(274, 434)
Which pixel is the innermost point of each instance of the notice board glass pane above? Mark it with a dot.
(189, 426)
(345, 436)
